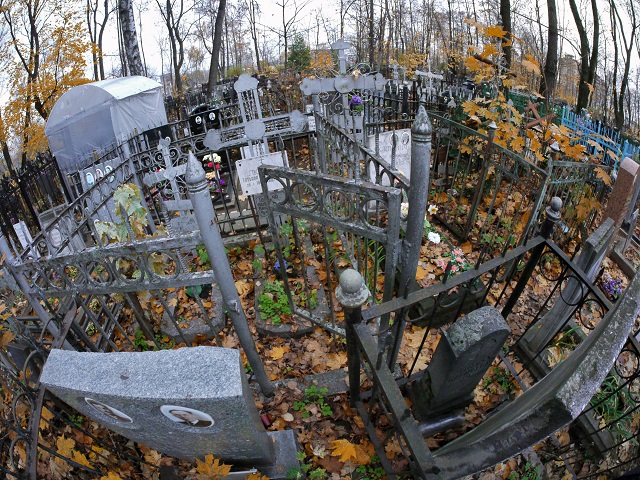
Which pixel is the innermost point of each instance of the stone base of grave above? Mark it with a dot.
(286, 449)
(194, 327)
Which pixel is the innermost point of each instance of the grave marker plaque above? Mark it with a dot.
(398, 140)
(465, 351)
(185, 403)
(248, 172)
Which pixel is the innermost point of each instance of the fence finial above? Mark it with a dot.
(553, 217)
(421, 124)
(212, 240)
(352, 292)
(194, 174)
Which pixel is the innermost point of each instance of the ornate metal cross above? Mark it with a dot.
(254, 129)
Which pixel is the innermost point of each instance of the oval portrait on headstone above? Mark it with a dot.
(108, 411)
(186, 416)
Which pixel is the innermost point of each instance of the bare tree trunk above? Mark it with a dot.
(617, 24)
(505, 13)
(129, 37)
(5, 149)
(587, 61)
(214, 66)
(253, 20)
(550, 73)
(371, 40)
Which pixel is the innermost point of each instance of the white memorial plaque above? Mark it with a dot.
(312, 123)
(24, 236)
(248, 172)
(258, 149)
(403, 150)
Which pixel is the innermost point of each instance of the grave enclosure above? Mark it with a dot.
(345, 190)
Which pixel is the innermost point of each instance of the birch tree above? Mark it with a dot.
(130, 37)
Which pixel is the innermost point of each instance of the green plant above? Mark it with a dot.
(199, 290)
(159, 343)
(502, 378)
(371, 471)
(612, 404)
(529, 473)
(273, 302)
(76, 419)
(204, 256)
(305, 470)
(90, 329)
(313, 396)
(128, 202)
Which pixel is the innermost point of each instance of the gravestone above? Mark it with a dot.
(252, 136)
(185, 403)
(547, 327)
(551, 404)
(624, 191)
(395, 148)
(465, 351)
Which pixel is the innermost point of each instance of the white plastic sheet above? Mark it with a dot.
(97, 116)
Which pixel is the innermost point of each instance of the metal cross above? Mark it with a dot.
(342, 83)
(533, 108)
(254, 129)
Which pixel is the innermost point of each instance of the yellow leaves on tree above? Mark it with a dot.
(39, 76)
(495, 31)
(531, 64)
(211, 468)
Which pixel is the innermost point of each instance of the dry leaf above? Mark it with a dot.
(344, 449)
(65, 446)
(111, 476)
(6, 338)
(212, 468)
(278, 352)
(80, 458)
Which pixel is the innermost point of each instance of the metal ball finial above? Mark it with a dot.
(556, 204)
(352, 292)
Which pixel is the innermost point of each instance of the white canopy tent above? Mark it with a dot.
(100, 115)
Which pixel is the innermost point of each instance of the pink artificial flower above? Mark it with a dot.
(210, 164)
(454, 268)
(459, 259)
(218, 166)
(457, 252)
(442, 264)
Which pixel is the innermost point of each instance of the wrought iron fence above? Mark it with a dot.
(30, 195)
(599, 441)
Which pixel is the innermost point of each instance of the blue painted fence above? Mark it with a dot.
(607, 137)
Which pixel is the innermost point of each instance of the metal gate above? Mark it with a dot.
(334, 223)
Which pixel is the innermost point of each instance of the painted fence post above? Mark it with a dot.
(206, 218)
(418, 196)
(352, 293)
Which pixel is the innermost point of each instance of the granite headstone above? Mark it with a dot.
(624, 191)
(465, 351)
(185, 403)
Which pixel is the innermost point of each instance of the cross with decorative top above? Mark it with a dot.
(170, 173)
(343, 82)
(254, 129)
